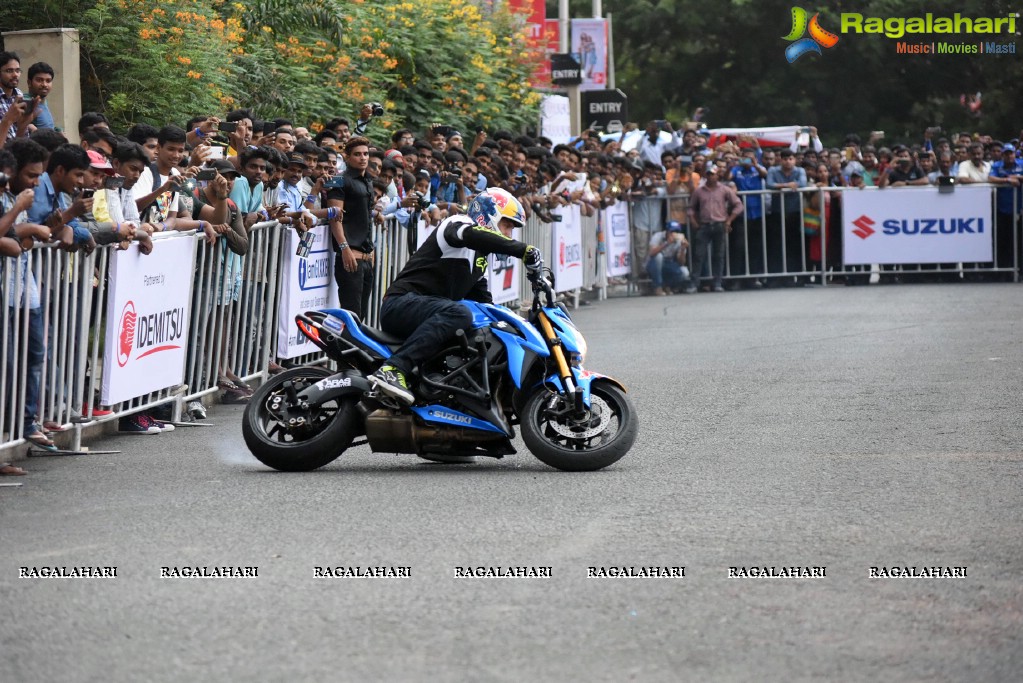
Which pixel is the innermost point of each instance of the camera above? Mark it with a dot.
(334, 182)
(113, 183)
(424, 202)
(452, 175)
(378, 109)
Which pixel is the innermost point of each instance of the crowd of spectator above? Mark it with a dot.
(222, 173)
(768, 203)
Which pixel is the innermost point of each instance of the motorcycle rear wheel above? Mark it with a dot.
(567, 444)
(332, 427)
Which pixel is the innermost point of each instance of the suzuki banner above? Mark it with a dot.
(917, 225)
(567, 256)
(616, 235)
(504, 275)
(306, 284)
(148, 308)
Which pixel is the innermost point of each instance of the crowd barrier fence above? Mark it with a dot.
(784, 250)
(57, 327)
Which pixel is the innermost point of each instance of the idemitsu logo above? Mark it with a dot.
(569, 255)
(150, 334)
(126, 338)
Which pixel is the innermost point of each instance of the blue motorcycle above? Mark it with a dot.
(504, 371)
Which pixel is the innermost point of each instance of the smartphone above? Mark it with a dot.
(661, 123)
(113, 183)
(850, 153)
(206, 174)
(336, 182)
(227, 126)
(216, 152)
(269, 127)
(87, 193)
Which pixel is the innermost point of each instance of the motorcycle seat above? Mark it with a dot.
(381, 336)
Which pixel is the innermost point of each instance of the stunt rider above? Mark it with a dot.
(421, 304)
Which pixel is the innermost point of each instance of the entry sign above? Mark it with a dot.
(565, 70)
(606, 110)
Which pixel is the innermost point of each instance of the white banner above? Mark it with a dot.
(771, 136)
(917, 225)
(504, 274)
(306, 284)
(589, 47)
(568, 249)
(616, 235)
(423, 232)
(148, 311)
(555, 121)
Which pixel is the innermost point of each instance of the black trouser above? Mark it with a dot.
(709, 236)
(354, 288)
(426, 322)
(1003, 242)
(793, 248)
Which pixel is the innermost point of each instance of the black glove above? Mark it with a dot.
(532, 259)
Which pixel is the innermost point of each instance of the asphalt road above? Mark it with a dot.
(835, 427)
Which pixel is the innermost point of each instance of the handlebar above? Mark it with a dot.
(541, 285)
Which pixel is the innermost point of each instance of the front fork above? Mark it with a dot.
(558, 352)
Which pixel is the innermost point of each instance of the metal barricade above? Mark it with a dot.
(771, 245)
(234, 308)
(47, 301)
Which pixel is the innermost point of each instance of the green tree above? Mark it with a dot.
(675, 55)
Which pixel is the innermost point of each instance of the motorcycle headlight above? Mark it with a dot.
(579, 357)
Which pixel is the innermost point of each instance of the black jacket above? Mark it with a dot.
(452, 262)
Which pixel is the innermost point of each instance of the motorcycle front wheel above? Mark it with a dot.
(322, 437)
(580, 443)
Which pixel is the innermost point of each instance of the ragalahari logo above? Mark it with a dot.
(126, 338)
(818, 36)
(864, 227)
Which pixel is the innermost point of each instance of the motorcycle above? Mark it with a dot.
(504, 371)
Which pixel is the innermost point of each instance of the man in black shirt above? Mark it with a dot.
(351, 232)
(422, 302)
(903, 171)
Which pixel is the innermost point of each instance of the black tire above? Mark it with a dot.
(333, 427)
(563, 452)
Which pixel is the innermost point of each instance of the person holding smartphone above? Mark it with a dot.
(15, 111)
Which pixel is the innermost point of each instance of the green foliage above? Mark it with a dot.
(675, 55)
(146, 60)
(310, 60)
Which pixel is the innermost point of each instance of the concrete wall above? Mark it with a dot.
(58, 47)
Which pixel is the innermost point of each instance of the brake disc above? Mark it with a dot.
(597, 406)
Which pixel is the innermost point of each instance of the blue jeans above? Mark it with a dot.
(33, 355)
(665, 272)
